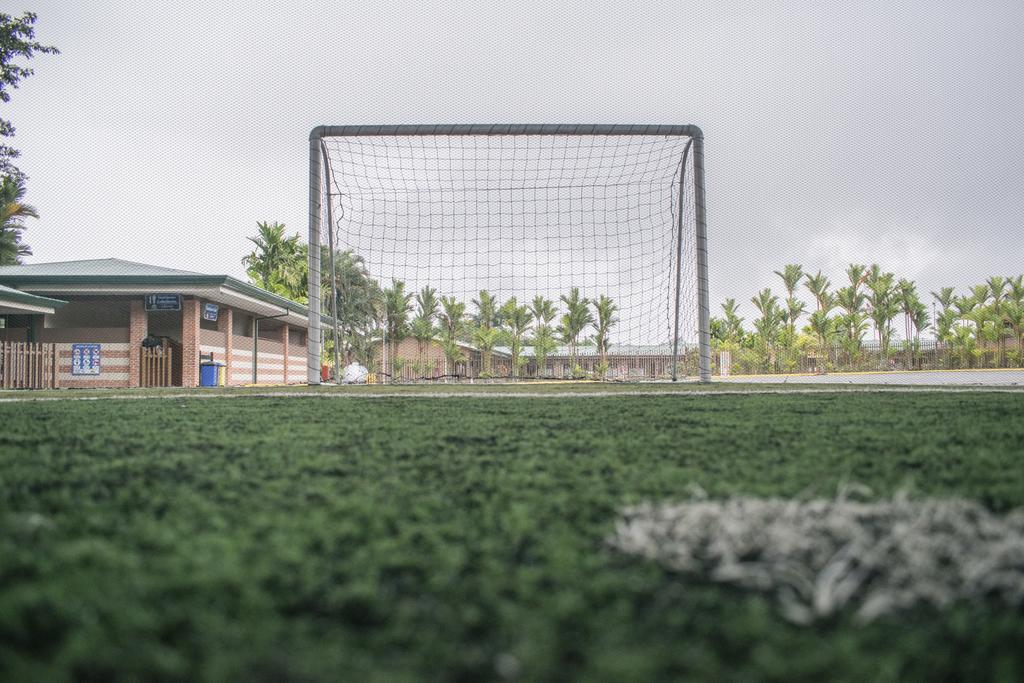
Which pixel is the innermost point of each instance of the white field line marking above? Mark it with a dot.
(821, 556)
(198, 394)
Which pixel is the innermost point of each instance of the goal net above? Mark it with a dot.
(508, 252)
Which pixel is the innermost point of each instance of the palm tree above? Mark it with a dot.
(853, 319)
(856, 274)
(516, 320)
(486, 309)
(919, 319)
(423, 324)
(791, 275)
(882, 305)
(1016, 285)
(485, 339)
(818, 285)
(823, 328)
(575, 320)
(945, 297)
(733, 322)
(985, 328)
(767, 326)
(906, 291)
(997, 288)
(485, 335)
(909, 303)
(980, 294)
(397, 306)
(1014, 313)
(452, 317)
(605, 309)
(13, 213)
(544, 312)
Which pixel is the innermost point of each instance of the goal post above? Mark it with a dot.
(564, 250)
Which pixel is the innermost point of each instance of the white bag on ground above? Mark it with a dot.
(354, 373)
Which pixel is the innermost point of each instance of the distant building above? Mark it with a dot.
(99, 313)
(624, 361)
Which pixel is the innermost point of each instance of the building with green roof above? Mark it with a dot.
(108, 309)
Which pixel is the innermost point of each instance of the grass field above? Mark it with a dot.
(413, 538)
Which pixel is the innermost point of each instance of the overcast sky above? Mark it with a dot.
(836, 131)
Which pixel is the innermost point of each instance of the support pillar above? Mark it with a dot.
(190, 342)
(138, 329)
(225, 323)
(284, 345)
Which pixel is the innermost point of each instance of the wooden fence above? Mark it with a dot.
(26, 365)
(156, 366)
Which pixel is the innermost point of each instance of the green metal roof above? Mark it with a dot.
(19, 297)
(113, 267)
(114, 271)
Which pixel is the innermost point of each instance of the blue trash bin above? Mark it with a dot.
(208, 374)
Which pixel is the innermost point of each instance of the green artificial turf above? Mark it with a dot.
(412, 539)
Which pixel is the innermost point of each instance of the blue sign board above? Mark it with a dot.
(210, 312)
(163, 302)
(85, 359)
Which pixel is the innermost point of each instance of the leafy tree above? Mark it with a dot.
(13, 212)
(516, 320)
(17, 41)
(359, 301)
(574, 321)
(274, 258)
(605, 309)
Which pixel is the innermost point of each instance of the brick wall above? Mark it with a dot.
(296, 357)
(115, 367)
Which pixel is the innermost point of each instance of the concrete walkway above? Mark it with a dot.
(981, 378)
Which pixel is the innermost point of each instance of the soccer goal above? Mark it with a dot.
(447, 252)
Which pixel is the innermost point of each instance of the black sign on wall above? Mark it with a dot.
(163, 302)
